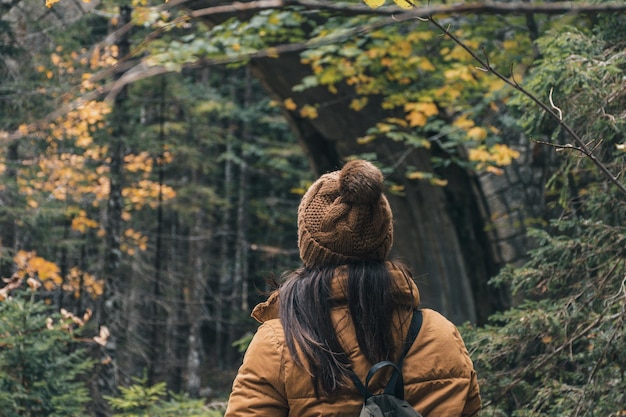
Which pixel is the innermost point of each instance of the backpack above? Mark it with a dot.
(391, 402)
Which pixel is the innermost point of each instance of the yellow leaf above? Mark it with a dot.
(50, 3)
(503, 155)
(405, 4)
(429, 109)
(457, 53)
(478, 154)
(417, 175)
(308, 112)
(372, 3)
(290, 104)
(439, 182)
(383, 127)
(400, 122)
(463, 123)
(23, 129)
(365, 139)
(56, 59)
(416, 118)
(386, 62)
(358, 103)
(425, 65)
(477, 133)
(510, 44)
(494, 170)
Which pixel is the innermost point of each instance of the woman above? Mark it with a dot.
(346, 309)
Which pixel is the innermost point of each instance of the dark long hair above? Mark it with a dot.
(305, 312)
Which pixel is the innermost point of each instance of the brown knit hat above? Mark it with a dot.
(345, 217)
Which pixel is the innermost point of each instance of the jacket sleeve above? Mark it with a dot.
(259, 389)
(473, 403)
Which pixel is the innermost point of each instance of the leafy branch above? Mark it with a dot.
(551, 109)
(486, 7)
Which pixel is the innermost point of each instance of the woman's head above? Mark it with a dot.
(344, 217)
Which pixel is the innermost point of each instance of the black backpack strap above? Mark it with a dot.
(414, 329)
(359, 385)
(395, 386)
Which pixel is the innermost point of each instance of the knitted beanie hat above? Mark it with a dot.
(344, 217)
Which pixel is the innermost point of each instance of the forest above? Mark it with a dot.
(153, 154)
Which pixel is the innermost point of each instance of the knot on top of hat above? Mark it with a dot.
(360, 182)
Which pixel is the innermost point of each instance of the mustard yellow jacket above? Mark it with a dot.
(439, 377)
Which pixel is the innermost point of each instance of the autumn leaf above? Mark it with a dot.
(418, 113)
(428, 108)
(494, 170)
(363, 140)
(504, 155)
(439, 182)
(418, 175)
(289, 104)
(358, 104)
(81, 223)
(477, 133)
(405, 4)
(463, 122)
(308, 112)
(416, 118)
(498, 155)
(372, 3)
(425, 65)
(33, 283)
(102, 338)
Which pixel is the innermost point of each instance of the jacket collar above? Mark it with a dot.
(405, 292)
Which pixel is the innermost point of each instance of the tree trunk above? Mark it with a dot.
(194, 291)
(225, 274)
(8, 206)
(112, 308)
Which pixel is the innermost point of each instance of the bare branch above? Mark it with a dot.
(567, 146)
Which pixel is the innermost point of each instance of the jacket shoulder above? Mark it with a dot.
(440, 346)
